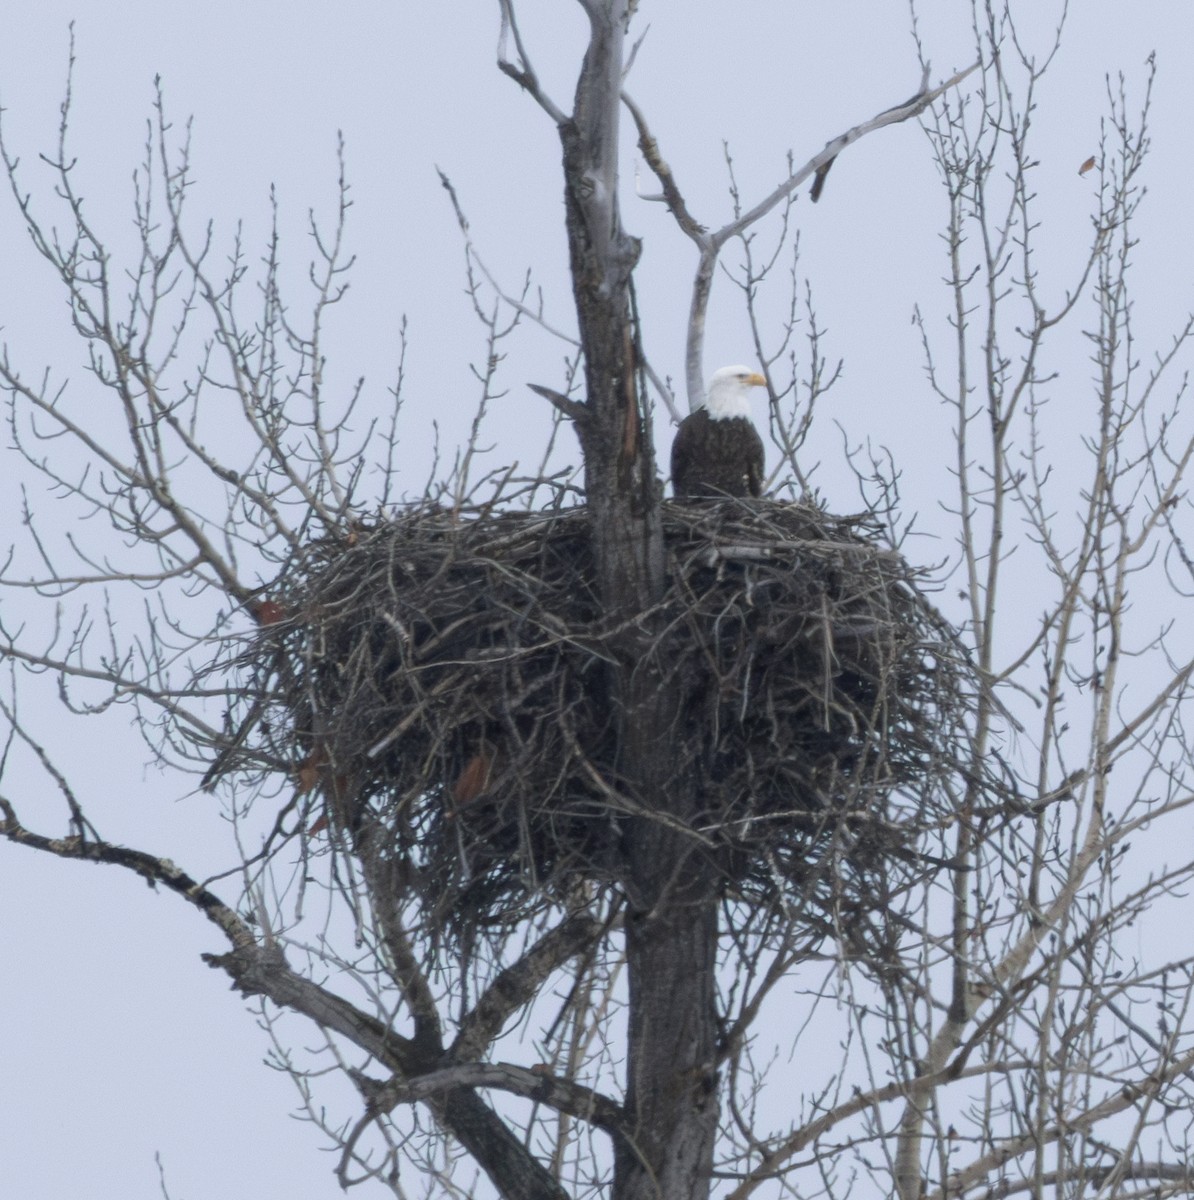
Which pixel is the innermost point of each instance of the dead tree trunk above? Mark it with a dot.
(671, 938)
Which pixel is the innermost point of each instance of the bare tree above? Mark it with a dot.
(633, 775)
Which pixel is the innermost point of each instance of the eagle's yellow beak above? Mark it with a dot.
(756, 380)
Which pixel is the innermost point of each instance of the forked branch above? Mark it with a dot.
(710, 244)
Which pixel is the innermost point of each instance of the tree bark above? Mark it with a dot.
(517, 1174)
(672, 1098)
(671, 938)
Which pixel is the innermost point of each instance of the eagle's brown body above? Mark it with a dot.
(712, 457)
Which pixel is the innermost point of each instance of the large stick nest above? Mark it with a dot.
(443, 681)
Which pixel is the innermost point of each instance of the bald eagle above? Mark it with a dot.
(718, 451)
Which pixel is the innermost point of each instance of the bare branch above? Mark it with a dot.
(530, 1083)
(519, 983)
(712, 243)
(521, 71)
(574, 410)
(671, 191)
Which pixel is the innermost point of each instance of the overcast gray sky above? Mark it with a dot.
(115, 1041)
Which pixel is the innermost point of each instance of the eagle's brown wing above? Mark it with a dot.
(717, 458)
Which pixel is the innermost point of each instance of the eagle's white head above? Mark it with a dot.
(728, 394)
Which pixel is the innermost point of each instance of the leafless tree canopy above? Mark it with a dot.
(615, 845)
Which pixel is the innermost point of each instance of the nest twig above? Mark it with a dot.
(443, 680)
